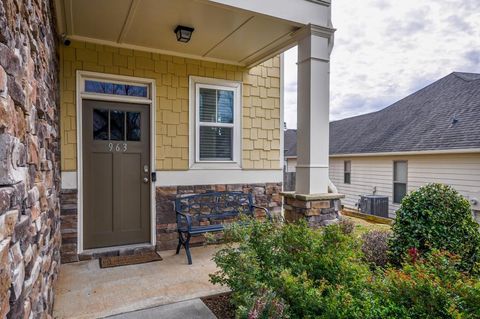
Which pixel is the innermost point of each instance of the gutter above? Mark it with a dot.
(451, 151)
(430, 152)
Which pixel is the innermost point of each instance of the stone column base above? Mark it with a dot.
(317, 209)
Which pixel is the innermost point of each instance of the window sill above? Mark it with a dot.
(215, 165)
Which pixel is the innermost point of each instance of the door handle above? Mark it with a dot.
(145, 180)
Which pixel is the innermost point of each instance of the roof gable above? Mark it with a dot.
(442, 116)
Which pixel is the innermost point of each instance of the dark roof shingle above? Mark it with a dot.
(290, 142)
(442, 116)
(445, 115)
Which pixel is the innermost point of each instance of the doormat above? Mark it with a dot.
(115, 261)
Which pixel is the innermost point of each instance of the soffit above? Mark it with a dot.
(222, 33)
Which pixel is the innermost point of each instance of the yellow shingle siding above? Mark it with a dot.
(261, 101)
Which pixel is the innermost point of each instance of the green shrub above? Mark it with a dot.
(375, 246)
(292, 271)
(431, 287)
(347, 226)
(436, 216)
(267, 305)
(313, 273)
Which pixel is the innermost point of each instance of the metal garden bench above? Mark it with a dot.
(208, 212)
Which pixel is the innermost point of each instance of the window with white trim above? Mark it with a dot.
(400, 177)
(347, 172)
(217, 122)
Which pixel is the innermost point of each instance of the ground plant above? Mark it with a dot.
(292, 271)
(375, 247)
(436, 216)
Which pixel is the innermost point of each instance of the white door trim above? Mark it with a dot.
(81, 76)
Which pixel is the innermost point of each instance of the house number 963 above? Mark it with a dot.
(119, 147)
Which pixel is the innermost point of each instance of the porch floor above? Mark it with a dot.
(84, 290)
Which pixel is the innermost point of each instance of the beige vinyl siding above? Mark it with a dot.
(462, 171)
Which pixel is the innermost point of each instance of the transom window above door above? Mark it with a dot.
(114, 88)
(216, 122)
(115, 125)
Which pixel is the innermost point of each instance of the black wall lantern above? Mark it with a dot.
(183, 33)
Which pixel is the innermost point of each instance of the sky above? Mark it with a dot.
(385, 50)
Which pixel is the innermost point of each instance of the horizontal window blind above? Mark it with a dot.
(216, 143)
(216, 124)
(208, 105)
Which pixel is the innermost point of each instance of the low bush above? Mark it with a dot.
(311, 272)
(347, 226)
(429, 287)
(375, 247)
(292, 271)
(436, 217)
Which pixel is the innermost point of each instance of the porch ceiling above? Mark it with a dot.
(222, 33)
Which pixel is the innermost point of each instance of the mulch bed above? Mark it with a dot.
(220, 305)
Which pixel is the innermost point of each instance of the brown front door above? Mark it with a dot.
(116, 174)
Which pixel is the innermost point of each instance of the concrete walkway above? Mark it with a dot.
(191, 309)
(83, 290)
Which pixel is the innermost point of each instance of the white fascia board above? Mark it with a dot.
(199, 177)
(215, 177)
(430, 152)
(302, 12)
(69, 180)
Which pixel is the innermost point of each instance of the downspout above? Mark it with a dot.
(331, 187)
(282, 115)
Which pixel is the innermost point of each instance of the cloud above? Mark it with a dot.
(385, 50)
(381, 4)
(457, 23)
(473, 56)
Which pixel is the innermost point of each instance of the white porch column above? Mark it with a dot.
(313, 102)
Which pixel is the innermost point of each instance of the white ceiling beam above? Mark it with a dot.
(302, 12)
(69, 17)
(60, 16)
(286, 10)
(228, 36)
(270, 50)
(151, 50)
(128, 20)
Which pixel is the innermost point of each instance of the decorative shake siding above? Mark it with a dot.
(462, 171)
(260, 128)
(260, 111)
(29, 159)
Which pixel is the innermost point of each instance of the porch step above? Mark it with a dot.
(192, 309)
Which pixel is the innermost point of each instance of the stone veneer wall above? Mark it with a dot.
(69, 223)
(69, 231)
(29, 159)
(265, 194)
(317, 210)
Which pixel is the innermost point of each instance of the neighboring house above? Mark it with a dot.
(432, 135)
(108, 112)
(290, 153)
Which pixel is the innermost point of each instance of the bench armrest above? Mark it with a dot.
(265, 210)
(185, 217)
